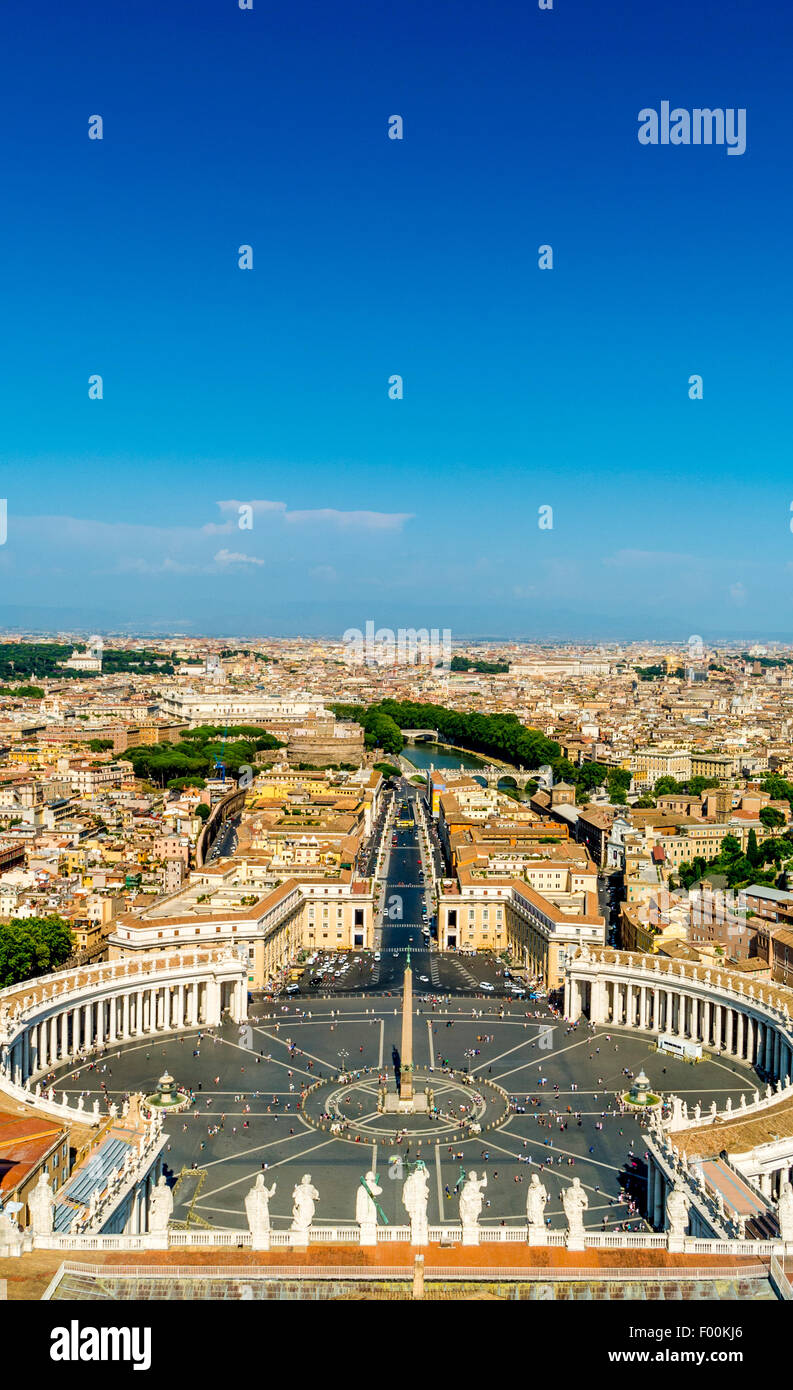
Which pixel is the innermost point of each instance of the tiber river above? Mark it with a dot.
(441, 755)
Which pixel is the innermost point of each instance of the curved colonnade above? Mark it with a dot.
(685, 1002)
(714, 1008)
(57, 1018)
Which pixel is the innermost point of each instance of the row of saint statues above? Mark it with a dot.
(415, 1200)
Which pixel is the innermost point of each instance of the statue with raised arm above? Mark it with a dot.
(415, 1197)
(304, 1197)
(160, 1207)
(536, 1197)
(257, 1209)
(575, 1203)
(678, 1205)
(472, 1200)
(41, 1202)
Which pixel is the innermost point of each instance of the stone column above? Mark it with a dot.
(717, 1025)
(739, 1046)
(25, 1063)
(729, 1021)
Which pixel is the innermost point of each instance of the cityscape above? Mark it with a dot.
(527, 909)
(396, 677)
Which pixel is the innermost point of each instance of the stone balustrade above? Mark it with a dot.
(437, 1235)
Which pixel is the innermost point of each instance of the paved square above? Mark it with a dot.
(247, 1081)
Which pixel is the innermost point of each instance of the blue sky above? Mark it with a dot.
(522, 387)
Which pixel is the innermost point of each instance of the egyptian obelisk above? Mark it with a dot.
(406, 1055)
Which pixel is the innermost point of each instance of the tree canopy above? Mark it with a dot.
(32, 946)
(193, 758)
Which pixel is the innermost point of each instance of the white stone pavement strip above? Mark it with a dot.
(526, 1043)
(555, 1052)
(557, 1153)
(431, 1043)
(257, 1028)
(292, 1157)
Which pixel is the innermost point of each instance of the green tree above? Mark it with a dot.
(667, 786)
(32, 946)
(771, 818)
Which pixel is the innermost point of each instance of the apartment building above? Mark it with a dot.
(648, 764)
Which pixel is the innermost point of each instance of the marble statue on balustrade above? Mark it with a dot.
(11, 1238)
(304, 1197)
(472, 1199)
(575, 1203)
(366, 1207)
(160, 1207)
(678, 1206)
(257, 1210)
(415, 1198)
(536, 1198)
(40, 1203)
(784, 1210)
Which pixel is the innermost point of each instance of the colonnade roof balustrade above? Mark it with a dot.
(652, 967)
(50, 989)
(739, 1135)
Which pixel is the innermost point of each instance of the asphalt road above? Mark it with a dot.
(404, 894)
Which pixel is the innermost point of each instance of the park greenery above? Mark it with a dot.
(484, 668)
(45, 659)
(32, 946)
(23, 692)
(496, 735)
(198, 753)
(138, 663)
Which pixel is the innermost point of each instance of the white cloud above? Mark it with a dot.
(236, 557)
(320, 516)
